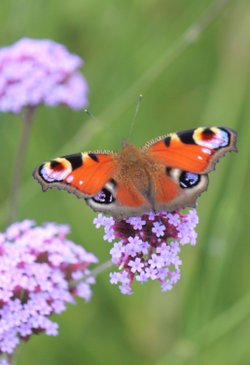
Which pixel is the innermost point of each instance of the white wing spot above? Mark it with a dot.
(200, 158)
(80, 182)
(207, 151)
(69, 179)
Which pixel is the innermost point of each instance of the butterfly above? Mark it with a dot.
(166, 173)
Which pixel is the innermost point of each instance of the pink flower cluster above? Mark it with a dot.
(4, 362)
(148, 246)
(34, 72)
(38, 267)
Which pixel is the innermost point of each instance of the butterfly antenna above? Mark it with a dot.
(135, 115)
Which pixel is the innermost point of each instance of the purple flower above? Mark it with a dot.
(158, 229)
(148, 247)
(38, 269)
(4, 362)
(136, 265)
(40, 71)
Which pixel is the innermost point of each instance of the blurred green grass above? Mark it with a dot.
(205, 319)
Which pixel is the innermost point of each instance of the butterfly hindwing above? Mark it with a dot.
(119, 199)
(84, 174)
(177, 189)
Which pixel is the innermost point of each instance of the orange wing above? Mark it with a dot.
(120, 200)
(195, 150)
(84, 174)
(177, 189)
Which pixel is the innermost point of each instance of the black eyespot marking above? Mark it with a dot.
(167, 141)
(104, 197)
(168, 171)
(207, 134)
(188, 180)
(55, 165)
(113, 182)
(75, 160)
(186, 136)
(40, 170)
(94, 157)
(207, 131)
(227, 138)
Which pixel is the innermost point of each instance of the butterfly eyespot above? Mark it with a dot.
(207, 134)
(213, 138)
(188, 180)
(104, 197)
(56, 170)
(56, 165)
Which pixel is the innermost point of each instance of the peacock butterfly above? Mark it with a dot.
(167, 173)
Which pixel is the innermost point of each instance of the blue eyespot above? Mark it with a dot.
(104, 197)
(188, 180)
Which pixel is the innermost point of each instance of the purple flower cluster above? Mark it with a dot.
(148, 246)
(40, 71)
(38, 267)
(4, 362)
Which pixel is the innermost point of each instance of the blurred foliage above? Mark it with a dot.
(205, 318)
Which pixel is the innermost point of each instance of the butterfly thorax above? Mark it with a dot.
(135, 169)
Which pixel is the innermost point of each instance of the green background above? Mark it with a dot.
(132, 48)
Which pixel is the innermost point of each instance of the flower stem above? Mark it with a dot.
(10, 358)
(99, 269)
(27, 121)
(96, 271)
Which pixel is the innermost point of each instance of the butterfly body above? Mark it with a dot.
(137, 171)
(167, 173)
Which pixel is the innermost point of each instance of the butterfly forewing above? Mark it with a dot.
(196, 150)
(83, 174)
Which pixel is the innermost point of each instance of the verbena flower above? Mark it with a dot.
(40, 71)
(148, 247)
(37, 267)
(4, 362)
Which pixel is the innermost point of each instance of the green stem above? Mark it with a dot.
(9, 358)
(18, 167)
(98, 270)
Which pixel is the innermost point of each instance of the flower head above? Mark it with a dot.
(40, 71)
(148, 247)
(4, 362)
(37, 267)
